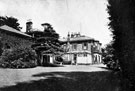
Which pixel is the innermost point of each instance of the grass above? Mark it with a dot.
(70, 81)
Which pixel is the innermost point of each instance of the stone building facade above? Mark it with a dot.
(12, 38)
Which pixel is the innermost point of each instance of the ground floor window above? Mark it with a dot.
(99, 58)
(80, 55)
(85, 55)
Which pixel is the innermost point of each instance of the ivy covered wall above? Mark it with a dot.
(14, 41)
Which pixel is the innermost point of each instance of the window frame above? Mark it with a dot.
(74, 46)
(85, 46)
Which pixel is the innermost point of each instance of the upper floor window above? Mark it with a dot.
(74, 47)
(85, 46)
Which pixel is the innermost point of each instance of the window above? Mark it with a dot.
(80, 55)
(99, 58)
(85, 46)
(74, 47)
(85, 55)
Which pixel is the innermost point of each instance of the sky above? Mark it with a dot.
(89, 17)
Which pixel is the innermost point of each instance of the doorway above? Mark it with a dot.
(46, 59)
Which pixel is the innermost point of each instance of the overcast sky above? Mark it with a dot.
(86, 16)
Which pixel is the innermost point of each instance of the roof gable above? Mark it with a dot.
(10, 29)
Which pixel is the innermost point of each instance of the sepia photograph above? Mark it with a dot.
(67, 45)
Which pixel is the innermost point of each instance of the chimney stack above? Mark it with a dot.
(72, 35)
(28, 26)
(45, 25)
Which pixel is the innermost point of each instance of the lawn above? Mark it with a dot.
(69, 81)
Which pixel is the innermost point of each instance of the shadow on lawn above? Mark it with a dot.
(70, 81)
(105, 68)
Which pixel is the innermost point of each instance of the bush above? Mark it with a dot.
(113, 65)
(59, 59)
(109, 59)
(0, 47)
(18, 58)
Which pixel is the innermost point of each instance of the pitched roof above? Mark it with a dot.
(80, 38)
(35, 29)
(10, 29)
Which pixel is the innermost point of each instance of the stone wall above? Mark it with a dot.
(14, 40)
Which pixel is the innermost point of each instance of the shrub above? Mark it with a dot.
(109, 59)
(18, 58)
(113, 65)
(59, 59)
(0, 47)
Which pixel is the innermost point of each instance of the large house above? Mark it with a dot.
(80, 49)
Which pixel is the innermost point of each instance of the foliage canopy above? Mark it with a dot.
(122, 25)
(10, 21)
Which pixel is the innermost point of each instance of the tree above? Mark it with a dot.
(10, 21)
(107, 53)
(1, 45)
(109, 58)
(122, 25)
(46, 41)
